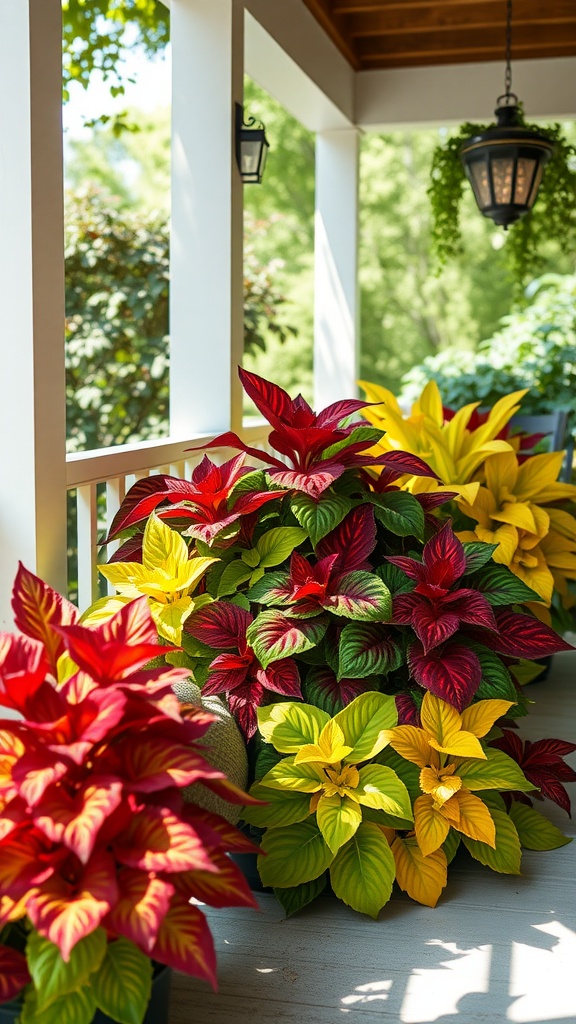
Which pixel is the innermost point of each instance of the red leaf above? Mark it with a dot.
(22, 862)
(184, 941)
(522, 636)
(452, 672)
(143, 905)
(444, 558)
(227, 888)
(333, 414)
(271, 400)
(353, 540)
(405, 462)
(23, 668)
(37, 608)
(281, 677)
(76, 821)
(143, 497)
(219, 625)
(14, 973)
(231, 440)
(153, 763)
(471, 607)
(314, 482)
(232, 838)
(35, 771)
(113, 650)
(433, 625)
(157, 839)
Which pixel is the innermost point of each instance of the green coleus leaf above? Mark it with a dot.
(361, 596)
(76, 1007)
(505, 858)
(276, 545)
(273, 636)
(320, 517)
(534, 830)
(283, 807)
(123, 983)
(266, 760)
(396, 580)
(498, 771)
(400, 513)
(451, 844)
(299, 896)
(234, 575)
(338, 818)
(477, 554)
(290, 725)
(368, 434)
(363, 723)
(364, 870)
(408, 772)
(272, 588)
(367, 649)
(303, 778)
(380, 788)
(294, 854)
(496, 681)
(255, 482)
(52, 976)
(500, 586)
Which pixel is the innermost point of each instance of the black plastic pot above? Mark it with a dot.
(157, 1012)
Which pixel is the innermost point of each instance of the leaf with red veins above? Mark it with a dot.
(231, 440)
(35, 771)
(411, 568)
(359, 595)
(149, 764)
(75, 821)
(333, 414)
(185, 942)
(78, 688)
(230, 838)
(310, 581)
(23, 669)
(352, 541)
(522, 636)
(220, 625)
(542, 763)
(433, 625)
(274, 402)
(66, 911)
(85, 724)
(400, 462)
(434, 499)
(408, 713)
(143, 905)
(142, 498)
(157, 839)
(313, 482)
(444, 557)
(228, 672)
(131, 550)
(24, 861)
(281, 677)
(14, 812)
(471, 607)
(451, 671)
(243, 703)
(37, 608)
(227, 888)
(14, 973)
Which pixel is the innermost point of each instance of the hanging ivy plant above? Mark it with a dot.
(553, 217)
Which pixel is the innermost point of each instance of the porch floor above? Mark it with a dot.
(497, 948)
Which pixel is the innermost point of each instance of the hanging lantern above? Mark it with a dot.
(251, 148)
(504, 164)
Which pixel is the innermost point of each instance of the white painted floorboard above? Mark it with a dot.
(496, 948)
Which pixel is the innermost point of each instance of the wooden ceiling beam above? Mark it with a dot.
(453, 40)
(421, 58)
(483, 15)
(343, 7)
(332, 26)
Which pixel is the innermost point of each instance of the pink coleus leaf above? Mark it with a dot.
(353, 540)
(226, 888)
(185, 942)
(522, 636)
(451, 671)
(157, 839)
(312, 482)
(143, 905)
(23, 863)
(14, 973)
(35, 771)
(75, 821)
(281, 677)
(361, 596)
(150, 764)
(273, 636)
(220, 625)
(37, 608)
(143, 497)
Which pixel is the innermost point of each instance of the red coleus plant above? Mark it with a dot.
(97, 847)
(318, 447)
(542, 762)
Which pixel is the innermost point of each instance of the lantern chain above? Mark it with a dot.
(508, 76)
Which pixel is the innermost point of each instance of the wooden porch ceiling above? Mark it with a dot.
(416, 33)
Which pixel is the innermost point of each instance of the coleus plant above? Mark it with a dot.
(99, 854)
(332, 585)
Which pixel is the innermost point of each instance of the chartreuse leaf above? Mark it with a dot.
(123, 983)
(273, 636)
(322, 516)
(534, 830)
(505, 855)
(233, 576)
(53, 977)
(498, 771)
(303, 778)
(282, 807)
(338, 818)
(299, 896)
(400, 513)
(408, 772)
(290, 725)
(430, 825)
(379, 787)
(423, 878)
(294, 854)
(480, 717)
(364, 722)
(76, 1007)
(278, 544)
(363, 871)
(367, 649)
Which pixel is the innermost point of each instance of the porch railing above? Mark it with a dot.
(98, 480)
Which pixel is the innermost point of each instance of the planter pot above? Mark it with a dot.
(157, 1012)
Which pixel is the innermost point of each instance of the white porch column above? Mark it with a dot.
(336, 304)
(32, 394)
(206, 318)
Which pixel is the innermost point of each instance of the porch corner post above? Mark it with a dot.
(206, 306)
(336, 305)
(32, 406)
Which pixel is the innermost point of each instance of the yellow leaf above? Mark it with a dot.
(444, 727)
(475, 818)
(430, 825)
(162, 548)
(536, 474)
(411, 743)
(501, 475)
(480, 717)
(423, 878)
(518, 514)
(431, 403)
(330, 748)
(440, 783)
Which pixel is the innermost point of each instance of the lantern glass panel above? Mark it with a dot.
(250, 151)
(502, 173)
(524, 175)
(535, 186)
(481, 183)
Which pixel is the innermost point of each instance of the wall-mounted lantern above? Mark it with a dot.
(251, 147)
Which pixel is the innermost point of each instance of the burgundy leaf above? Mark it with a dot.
(272, 401)
(219, 625)
(470, 606)
(353, 540)
(410, 567)
(434, 626)
(333, 414)
(281, 677)
(444, 557)
(522, 636)
(231, 440)
(452, 672)
(405, 462)
(408, 713)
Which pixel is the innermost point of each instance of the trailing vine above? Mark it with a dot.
(553, 217)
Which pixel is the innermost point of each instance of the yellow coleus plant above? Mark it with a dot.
(536, 543)
(451, 448)
(454, 765)
(167, 576)
(323, 799)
